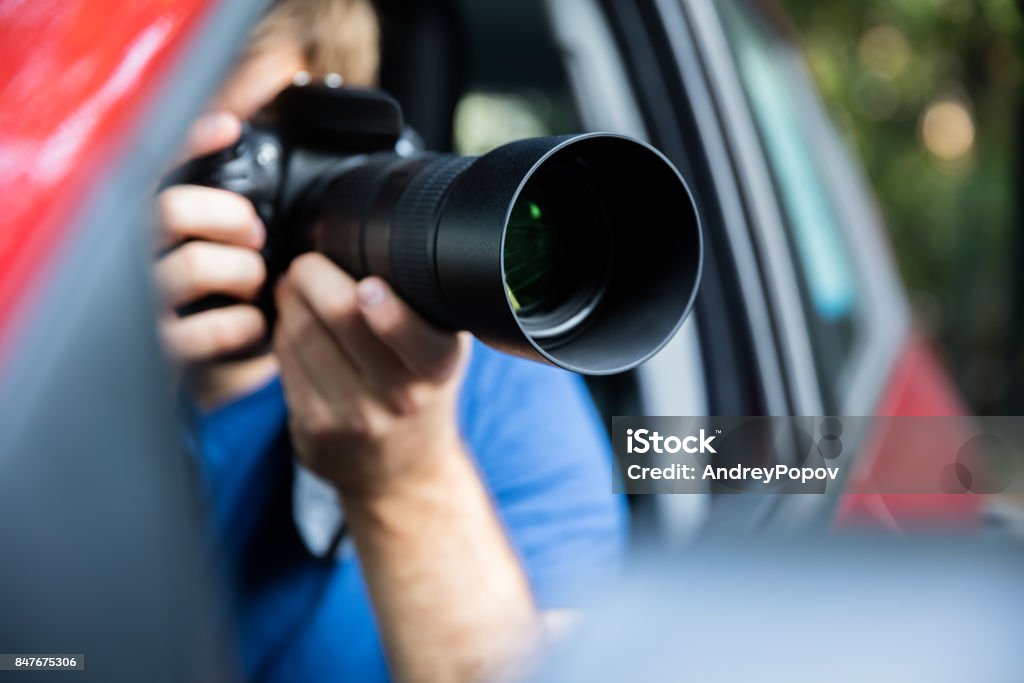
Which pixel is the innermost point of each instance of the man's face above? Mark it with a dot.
(263, 73)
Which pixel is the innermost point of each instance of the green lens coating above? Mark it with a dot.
(534, 250)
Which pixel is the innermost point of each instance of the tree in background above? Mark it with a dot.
(930, 93)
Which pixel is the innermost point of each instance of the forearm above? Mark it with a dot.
(372, 391)
(451, 598)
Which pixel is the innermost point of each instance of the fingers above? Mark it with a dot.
(211, 334)
(330, 294)
(219, 235)
(304, 337)
(309, 412)
(210, 133)
(426, 351)
(196, 269)
(194, 212)
(373, 324)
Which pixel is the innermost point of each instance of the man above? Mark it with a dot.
(475, 487)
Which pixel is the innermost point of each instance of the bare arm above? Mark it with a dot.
(451, 599)
(372, 391)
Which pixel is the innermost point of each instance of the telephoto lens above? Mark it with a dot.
(582, 251)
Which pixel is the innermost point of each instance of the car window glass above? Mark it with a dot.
(516, 85)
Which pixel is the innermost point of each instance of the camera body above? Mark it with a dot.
(283, 157)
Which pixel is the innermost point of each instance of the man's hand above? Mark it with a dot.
(371, 387)
(372, 391)
(210, 241)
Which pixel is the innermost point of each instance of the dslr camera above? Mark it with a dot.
(583, 251)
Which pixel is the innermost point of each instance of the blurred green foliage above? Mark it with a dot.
(929, 92)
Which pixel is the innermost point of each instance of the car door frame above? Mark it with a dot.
(687, 87)
(742, 371)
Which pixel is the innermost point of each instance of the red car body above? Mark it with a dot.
(74, 77)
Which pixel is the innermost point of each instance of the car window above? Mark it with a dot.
(516, 85)
(776, 89)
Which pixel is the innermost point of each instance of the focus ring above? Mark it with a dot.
(414, 236)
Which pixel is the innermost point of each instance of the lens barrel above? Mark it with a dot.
(582, 251)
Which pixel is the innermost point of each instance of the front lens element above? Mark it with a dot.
(556, 252)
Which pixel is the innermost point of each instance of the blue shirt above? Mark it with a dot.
(543, 455)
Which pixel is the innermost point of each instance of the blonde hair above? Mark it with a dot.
(335, 36)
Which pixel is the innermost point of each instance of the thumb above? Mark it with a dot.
(211, 132)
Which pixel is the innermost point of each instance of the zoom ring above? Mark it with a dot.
(414, 234)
